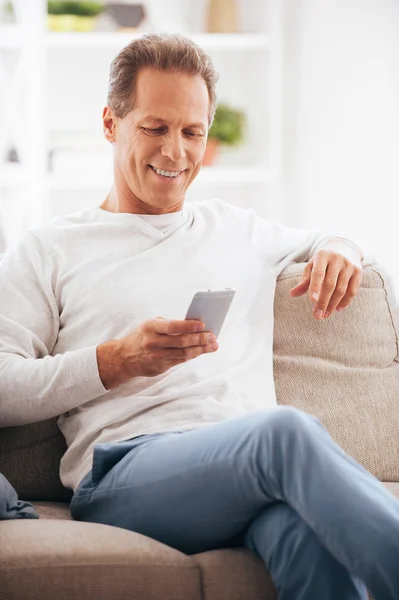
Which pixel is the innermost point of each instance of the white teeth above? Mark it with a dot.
(166, 173)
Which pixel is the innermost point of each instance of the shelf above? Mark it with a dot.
(11, 36)
(208, 41)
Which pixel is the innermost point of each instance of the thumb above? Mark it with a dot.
(303, 285)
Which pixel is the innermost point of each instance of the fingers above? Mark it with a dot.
(172, 327)
(303, 285)
(335, 280)
(339, 293)
(172, 345)
(184, 354)
(317, 278)
(186, 340)
(352, 290)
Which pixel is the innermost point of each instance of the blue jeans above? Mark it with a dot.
(272, 481)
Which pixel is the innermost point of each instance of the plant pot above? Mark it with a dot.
(70, 23)
(211, 152)
(61, 22)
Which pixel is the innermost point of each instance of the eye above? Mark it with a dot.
(193, 134)
(155, 130)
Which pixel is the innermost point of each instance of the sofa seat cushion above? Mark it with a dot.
(53, 510)
(234, 574)
(50, 558)
(53, 558)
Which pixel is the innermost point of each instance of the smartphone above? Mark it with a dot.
(211, 307)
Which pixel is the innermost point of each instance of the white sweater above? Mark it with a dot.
(94, 276)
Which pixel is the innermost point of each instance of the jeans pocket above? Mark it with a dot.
(108, 454)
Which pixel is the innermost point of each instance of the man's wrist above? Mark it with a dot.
(344, 246)
(112, 365)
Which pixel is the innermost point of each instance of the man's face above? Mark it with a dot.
(166, 131)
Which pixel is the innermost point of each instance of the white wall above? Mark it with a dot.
(341, 144)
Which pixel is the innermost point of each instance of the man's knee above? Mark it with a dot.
(288, 419)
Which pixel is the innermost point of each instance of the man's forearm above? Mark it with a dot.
(111, 364)
(36, 389)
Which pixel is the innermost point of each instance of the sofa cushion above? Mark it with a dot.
(233, 575)
(344, 369)
(53, 510)
(30, 458)
(82, 561)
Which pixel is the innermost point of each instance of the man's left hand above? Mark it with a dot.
(332, 277)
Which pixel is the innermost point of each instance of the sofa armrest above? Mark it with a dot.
(344, 369)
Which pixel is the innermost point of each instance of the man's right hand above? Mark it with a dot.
(151, 349)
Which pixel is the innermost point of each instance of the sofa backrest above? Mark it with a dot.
(344, 370)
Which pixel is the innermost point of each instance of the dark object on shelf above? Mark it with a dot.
(127, 16)
(12, 155)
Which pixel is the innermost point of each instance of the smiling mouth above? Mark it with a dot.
(166, 174)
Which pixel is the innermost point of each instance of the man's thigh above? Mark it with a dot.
(193, 490)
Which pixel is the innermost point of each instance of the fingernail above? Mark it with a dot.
(340, 308)
(326, 315)
(319, 314)
(315, 296)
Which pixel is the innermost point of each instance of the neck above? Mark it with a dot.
(124, 201)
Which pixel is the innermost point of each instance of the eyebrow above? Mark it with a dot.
(155, 119)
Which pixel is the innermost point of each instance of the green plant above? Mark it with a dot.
(228, 125)
(9, 9)
(83, 8)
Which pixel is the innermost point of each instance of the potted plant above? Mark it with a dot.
(73, 15)
(227, 129)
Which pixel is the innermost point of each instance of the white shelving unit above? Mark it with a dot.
(58, 82)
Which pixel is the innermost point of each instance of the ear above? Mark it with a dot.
(109, 123)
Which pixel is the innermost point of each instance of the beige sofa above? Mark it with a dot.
(344, 370)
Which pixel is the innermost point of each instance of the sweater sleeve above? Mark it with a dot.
(281, 245)
(34, 385)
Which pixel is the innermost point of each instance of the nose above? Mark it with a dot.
(173, 147)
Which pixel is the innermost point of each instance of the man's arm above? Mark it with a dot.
(334, 271)
(33, 384)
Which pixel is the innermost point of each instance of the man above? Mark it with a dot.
(169, 432)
